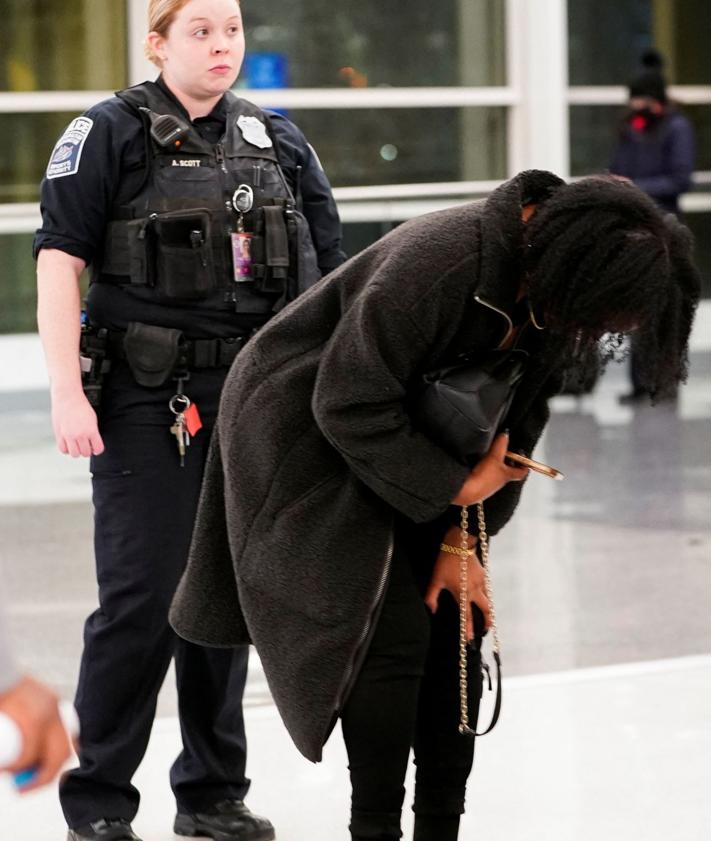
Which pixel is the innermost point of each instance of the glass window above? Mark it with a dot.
(402, 145)
(700, 116)
(68, 45)
(689, 42)
(27, 141)
(17, 268)
(608, 37)
(358, 147)
(593, 134)
(357, 236)
(373, 43)
(700, 224)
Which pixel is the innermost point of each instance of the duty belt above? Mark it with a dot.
(193, 353)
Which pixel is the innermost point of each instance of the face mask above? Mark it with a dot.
(643, 119)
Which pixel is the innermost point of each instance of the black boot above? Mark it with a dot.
(436, 828)
(375, 826)
(104, 830)
(228, 820)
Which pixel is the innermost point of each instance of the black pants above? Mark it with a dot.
(407, 696)
(145, 507)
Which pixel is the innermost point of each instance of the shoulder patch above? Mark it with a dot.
(67, 153)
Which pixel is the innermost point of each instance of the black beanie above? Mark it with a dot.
(651, 81)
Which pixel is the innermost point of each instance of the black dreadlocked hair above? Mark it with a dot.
(601, 258)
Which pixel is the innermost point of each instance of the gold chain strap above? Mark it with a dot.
(464, 727)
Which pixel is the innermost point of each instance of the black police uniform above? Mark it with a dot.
(144, 501)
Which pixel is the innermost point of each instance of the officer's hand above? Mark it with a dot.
(45, 744)
(489, 475)
(76, 427)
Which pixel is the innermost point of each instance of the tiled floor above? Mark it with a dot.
(604, 593)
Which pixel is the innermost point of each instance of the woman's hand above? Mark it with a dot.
(446, 575)
(76, 427)
(489, 475)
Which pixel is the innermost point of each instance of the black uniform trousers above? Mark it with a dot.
(407, 696)
(145, 505)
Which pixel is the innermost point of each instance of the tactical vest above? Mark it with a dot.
(214, 224)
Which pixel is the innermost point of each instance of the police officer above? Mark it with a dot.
(200, 216)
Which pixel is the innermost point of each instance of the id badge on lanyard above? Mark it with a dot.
(242, 201)
(242, 256)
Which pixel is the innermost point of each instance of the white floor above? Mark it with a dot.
(619, 753)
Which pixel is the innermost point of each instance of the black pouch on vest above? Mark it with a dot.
(270, 251)
(151, 352)
(140, 253)
(184, 259)
(307, 270)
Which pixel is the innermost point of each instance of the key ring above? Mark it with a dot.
(174, 400)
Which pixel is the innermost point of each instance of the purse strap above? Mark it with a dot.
(464, 608)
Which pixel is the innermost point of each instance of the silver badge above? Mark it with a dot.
(254, 132)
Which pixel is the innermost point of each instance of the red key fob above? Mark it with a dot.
(193, 423)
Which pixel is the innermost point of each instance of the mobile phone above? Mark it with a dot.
(538, 466)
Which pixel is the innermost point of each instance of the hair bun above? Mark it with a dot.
(652, 59)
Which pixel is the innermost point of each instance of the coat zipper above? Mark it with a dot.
(510, 329)
(364, 638)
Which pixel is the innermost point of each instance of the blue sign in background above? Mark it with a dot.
(266, 70)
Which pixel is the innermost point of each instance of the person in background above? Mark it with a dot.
(656, 151)
(154, 189)
(33, 707)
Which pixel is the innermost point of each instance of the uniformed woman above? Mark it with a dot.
(199, 217)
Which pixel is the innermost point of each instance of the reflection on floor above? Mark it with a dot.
(603, 588)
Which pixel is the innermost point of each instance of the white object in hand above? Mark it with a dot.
(70, 719)
(11, 735)
(10, 741)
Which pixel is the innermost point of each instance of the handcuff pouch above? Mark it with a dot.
(151, 352)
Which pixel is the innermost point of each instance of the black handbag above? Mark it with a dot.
(461, 407)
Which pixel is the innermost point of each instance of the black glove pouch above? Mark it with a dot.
(151, 352)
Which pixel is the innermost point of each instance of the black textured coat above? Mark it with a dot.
(314, 450)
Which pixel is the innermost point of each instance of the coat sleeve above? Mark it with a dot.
(208, 588)
(76, 207)
(360, 403)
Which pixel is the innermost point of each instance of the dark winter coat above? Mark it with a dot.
(314, 450)
(660, 161)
